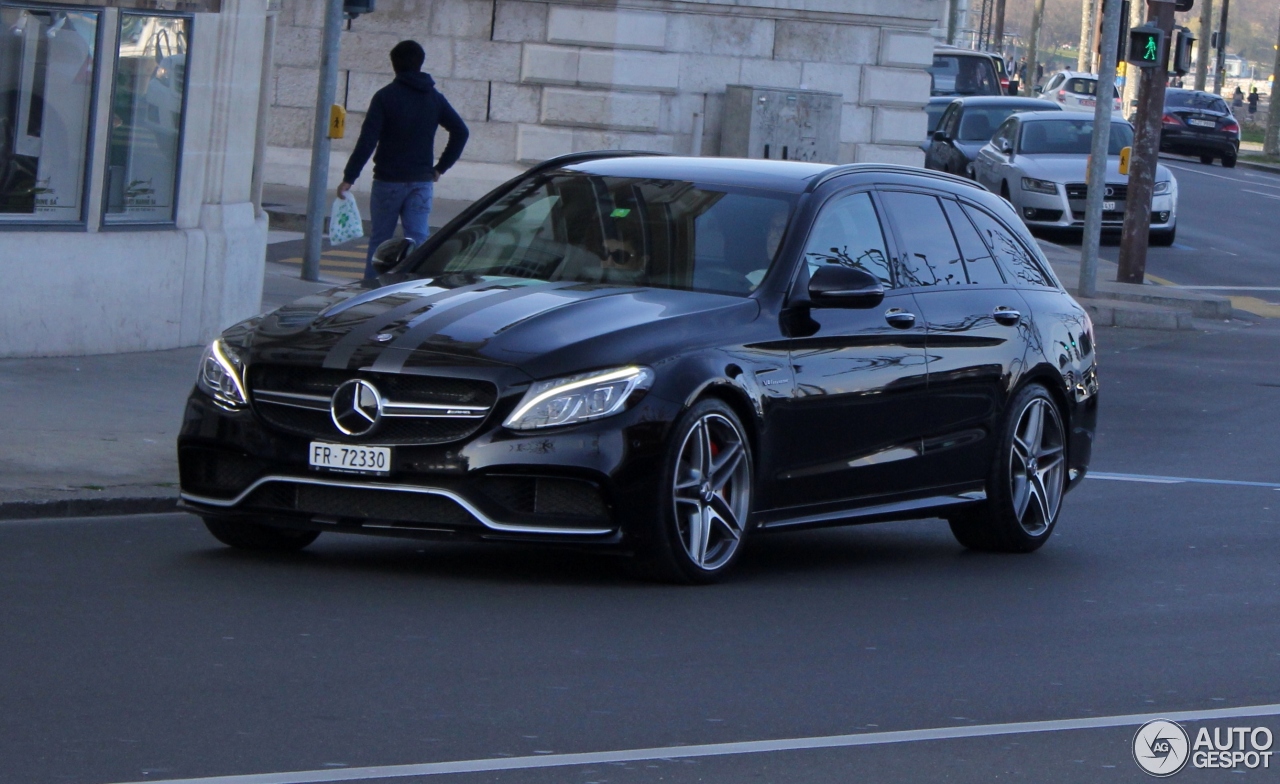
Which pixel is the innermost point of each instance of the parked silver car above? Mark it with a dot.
(1037, 160)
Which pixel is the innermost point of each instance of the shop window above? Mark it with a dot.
(47, 69)
(147, 110)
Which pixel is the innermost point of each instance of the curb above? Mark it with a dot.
(86, 507)
(1267, 167)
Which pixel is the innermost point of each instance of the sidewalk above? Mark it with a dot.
(95, 435)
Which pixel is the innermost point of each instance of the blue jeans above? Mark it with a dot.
(389, 202)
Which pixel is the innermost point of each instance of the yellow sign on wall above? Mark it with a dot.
(337, 122)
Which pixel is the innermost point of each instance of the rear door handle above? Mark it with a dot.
(899, 318)
(1007, 316)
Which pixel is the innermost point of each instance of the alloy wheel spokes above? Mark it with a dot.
(1036, 466)
(711, 491)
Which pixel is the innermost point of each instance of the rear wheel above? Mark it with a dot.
(1027, 480)
(1207, 160)
(706, 499)
(245, 535)
(1229, 160)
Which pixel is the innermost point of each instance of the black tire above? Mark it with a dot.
(1163, 239)
(997, 524)
(245, 535)
(684, 497)
(1229, 160)
(1207, 160)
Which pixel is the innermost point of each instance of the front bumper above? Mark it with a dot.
(591, 483)
(1057, 211)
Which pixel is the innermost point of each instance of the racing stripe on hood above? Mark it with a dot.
(425, 326)
(340, 355)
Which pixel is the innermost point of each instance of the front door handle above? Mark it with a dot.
(899, 318)
(1006, 316)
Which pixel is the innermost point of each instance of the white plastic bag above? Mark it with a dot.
(344, 220)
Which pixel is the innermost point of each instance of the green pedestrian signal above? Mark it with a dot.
(1146, 46)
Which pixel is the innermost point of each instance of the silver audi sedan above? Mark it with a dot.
(1037, 160)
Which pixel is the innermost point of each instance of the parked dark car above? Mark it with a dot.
(663, 357)
(957, 72)
(968, 123)
(1199, 123)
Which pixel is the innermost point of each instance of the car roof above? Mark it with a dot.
(781, 176)
(1061, 115)
(949, 50)
(1006, 100)
(1078, 74)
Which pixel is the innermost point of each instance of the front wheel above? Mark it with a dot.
(1027, 480)
(705, 501)
(246, 535)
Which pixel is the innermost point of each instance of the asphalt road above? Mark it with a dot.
(137, 649)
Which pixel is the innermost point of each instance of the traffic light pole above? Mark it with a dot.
(1146, 152)
(1220, 62)
(318, 187)
(1097, 176)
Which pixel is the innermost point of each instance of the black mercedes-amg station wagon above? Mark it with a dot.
(664, 357)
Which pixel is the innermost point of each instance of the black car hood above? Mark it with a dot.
(543, 328)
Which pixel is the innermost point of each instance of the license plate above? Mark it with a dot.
(1108, 206)
(352, 459)
(1088, 102)
(1202, 123)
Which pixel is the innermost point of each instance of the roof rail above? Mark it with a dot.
(888, 168)
(581, 157)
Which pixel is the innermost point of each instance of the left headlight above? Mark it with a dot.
(1164, 186)
(574, 399)
(1039, 186)
(221, 375)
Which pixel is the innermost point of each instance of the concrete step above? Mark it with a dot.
(1137, 315)
(1199, 304)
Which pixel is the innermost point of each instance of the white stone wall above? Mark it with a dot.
(137, 289)
(538, 79)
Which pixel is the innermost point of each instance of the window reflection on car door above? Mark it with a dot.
(858, 379)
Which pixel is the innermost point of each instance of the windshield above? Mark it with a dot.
(963, 75)
(1069, 137)
(584, 228)
(978, 123)
(1176, 99)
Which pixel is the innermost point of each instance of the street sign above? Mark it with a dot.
(1125, 152)
(337, 121)
(1146, 46)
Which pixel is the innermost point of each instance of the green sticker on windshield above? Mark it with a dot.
(619, 213)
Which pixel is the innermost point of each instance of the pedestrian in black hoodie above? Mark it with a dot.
(401, 123)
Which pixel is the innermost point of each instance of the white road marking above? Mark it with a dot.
(1227, 288)
(1175, 480)
(1236, 180)
(721, 749)
(1260, 193)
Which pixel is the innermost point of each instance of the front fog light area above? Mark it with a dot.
(580, 398)
(220, 374)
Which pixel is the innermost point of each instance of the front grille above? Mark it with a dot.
(216, 473)
(1108, 216)
(295, 400)
(360, 503)
(546, 496)
(1078, 191)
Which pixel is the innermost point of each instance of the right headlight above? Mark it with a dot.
(221, 375)
(1039, 186)
(1163, 186)
(580, 398)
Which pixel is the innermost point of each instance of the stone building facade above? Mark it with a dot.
(538, 79)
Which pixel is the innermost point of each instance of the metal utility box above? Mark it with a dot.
(795, 125)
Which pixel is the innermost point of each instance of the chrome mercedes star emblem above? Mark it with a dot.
(356, 407)
(1111, 191)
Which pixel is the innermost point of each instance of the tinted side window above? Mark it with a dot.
(848, 232)
(1017, 261)
(979, 267)
(931, 257)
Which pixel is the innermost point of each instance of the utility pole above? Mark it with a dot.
(1220, 65)
(1204, 44)
(1146, 151)
(1097, 176)
(953, 15)
(1033, 43)
(1129, 95)
(1088, 23)
(997, 25)
(1271, 143)
(318, 188)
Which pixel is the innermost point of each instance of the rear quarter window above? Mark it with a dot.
(1020, 265)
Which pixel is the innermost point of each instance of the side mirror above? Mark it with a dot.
(940, 136)
(1039, 90)
(391, 253)
(1005, 146)
(836, 286)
